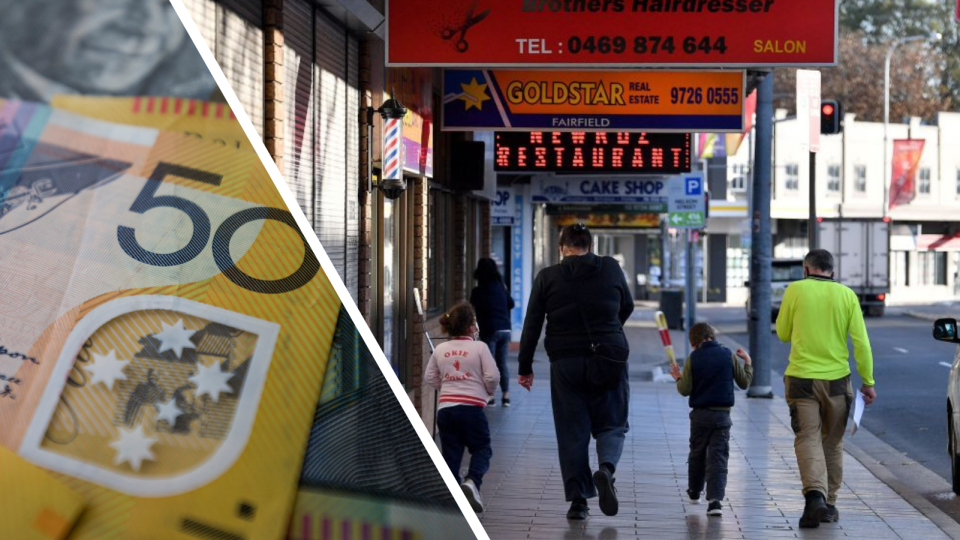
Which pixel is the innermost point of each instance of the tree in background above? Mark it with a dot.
(924, 78)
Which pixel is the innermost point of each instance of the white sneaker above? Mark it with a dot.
(473, 495)
(693, 498)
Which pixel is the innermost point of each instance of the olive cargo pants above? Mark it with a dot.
(818, 416)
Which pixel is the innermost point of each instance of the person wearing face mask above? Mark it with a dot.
(586, 301)
(464, 372)
(816, 316)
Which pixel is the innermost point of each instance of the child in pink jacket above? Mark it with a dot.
(465, 373)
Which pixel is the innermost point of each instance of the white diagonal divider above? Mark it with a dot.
(331, 272)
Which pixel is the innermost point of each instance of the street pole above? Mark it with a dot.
(933, 36)
(761, 245)
(886, 125)
(813, 232)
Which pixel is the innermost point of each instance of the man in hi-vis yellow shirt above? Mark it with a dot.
(816, 316)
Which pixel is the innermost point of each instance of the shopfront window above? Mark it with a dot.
(932, 267)
(389, 281)
(900, 268)
(738, 261)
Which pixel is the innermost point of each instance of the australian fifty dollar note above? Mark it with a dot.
(365, 470)
(164, 327)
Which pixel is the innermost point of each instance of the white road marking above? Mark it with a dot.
(944, 364)
(901, 350)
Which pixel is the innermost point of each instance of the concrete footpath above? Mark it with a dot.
(523, 491)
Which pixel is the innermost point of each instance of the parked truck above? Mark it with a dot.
(860, 248)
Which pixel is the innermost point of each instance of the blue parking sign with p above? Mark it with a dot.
(694, 185)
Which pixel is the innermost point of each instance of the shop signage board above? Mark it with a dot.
(502, 211)
(612, 33)
(641, 208)
(504, 100)
(592, 153)
(686, 202)
(635, 190)
(609, 220)
(516, 265)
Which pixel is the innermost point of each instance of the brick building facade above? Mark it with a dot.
(306, 72)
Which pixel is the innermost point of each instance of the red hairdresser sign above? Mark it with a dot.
(611, 33)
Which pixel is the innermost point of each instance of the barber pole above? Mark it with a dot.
(392, 149)
(661, 321)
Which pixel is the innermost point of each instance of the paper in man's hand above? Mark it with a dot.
(858, 407)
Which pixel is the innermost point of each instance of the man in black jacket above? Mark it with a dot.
(584, 296)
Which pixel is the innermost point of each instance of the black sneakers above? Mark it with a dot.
(832, 515)
(814, 511)
(693, 498)
(715, 509)
(603, 479)
(578, 510)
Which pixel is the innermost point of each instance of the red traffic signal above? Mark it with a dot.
(831, 117)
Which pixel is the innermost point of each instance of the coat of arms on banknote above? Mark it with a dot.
(156, 395)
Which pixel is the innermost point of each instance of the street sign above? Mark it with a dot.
(686, 202)
(512, 100)
(808, 106)
(592, 153)
(612, 33)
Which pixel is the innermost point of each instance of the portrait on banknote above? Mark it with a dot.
(97, 47)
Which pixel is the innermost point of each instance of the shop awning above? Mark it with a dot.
(937, 242)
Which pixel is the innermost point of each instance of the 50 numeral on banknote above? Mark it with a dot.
(148, 199)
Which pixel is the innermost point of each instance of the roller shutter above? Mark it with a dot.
(322, 144)
(331, 74)
(300, 105)
(233, 30)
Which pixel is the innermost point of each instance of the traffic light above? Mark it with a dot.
(831, 117)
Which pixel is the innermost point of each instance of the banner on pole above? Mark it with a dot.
(903, 179)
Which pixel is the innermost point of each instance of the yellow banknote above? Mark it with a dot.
(357, 409)
(208, 120)
(165, 326)
(34, 506)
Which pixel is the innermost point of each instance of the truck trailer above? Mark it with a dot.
(860, 249)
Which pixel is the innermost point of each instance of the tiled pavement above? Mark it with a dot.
(524, 496)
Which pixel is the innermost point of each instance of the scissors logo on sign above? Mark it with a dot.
(468, 21)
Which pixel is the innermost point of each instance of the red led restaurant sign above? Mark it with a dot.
(592, 153)
(612, 33)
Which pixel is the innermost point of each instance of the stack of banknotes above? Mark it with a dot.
(173, 361)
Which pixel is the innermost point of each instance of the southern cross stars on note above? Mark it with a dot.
(133, 447)
(175, 338)
(211, 380)
(168, 411)
(107, 369)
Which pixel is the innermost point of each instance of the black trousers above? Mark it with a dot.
(579, 411)
(709, 452)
